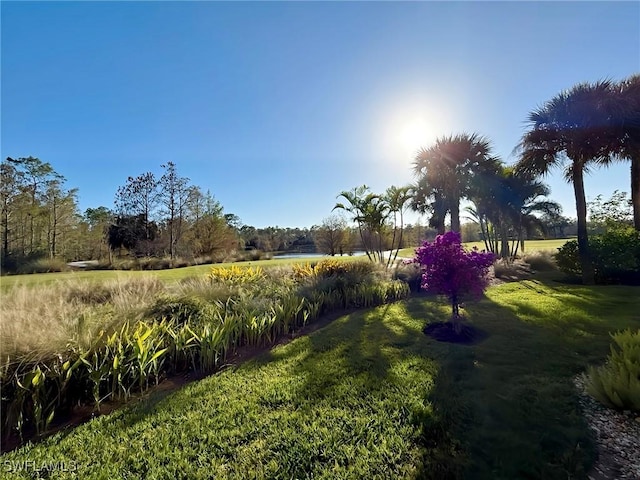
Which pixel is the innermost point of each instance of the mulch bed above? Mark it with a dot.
(460, 332)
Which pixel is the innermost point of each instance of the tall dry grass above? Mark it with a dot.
(41, 322)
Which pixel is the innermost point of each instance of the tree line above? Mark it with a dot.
(162, 216)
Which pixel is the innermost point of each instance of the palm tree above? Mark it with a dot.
(524, 196)
(570, 130)
(397, 199)
(370, 211)
(446, 170)
(354, 207)
(626, 134)
(427, 198)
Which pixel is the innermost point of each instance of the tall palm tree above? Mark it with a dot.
(429, 199)
(446, 169)
(626, 134)
(570, 130)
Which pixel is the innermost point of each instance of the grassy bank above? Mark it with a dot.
(370, 396)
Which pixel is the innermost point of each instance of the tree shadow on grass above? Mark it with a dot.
(508, 404)
(503, 408)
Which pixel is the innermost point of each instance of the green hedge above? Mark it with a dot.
(615, 255)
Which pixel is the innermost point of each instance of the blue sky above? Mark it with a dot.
(276, 107)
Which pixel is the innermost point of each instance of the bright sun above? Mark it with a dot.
(413, 135)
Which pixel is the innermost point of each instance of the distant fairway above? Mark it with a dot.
(529, 246)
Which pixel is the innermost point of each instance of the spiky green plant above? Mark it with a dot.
(617, 383)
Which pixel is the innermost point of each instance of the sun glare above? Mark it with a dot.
(413, 135)
(412, 122)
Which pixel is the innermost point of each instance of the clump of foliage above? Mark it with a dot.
(615, 255)
(540, 261)
(236, 275)
(617, 383)
(615, 251)
(409, 272)
(333, 268)
(448, 269)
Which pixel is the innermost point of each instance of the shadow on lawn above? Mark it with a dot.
(501, 409)
(504, 408)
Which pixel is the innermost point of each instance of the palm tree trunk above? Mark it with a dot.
(400, 239)
(455, 215)
(635, 190)
(588, 274)
(504, 240)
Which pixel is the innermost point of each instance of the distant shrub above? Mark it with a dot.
(615, 255)
(125, 264)
(204, 260)
(43, 265)
(541, 261)
(617, 383)
(180, 263)
(251, 256)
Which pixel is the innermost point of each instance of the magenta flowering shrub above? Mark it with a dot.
(448, 269)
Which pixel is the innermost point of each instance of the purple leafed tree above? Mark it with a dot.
(448, 269)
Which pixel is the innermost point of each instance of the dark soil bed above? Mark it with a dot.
(463, 333)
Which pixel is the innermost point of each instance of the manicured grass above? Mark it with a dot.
(370, 396)
(529, 246)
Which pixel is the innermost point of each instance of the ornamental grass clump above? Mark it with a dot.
(617, 383)
(448, 269)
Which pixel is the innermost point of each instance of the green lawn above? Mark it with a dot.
(529, 246)
(369, 396)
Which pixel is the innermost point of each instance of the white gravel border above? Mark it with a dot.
(617, 436)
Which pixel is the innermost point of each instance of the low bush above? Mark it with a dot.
(617, 383)
(180, 309)
(43, 265)
(615, 255)
(540, 261)
(410, 274)
(509, 269)
(236, 275)
(251, 256)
